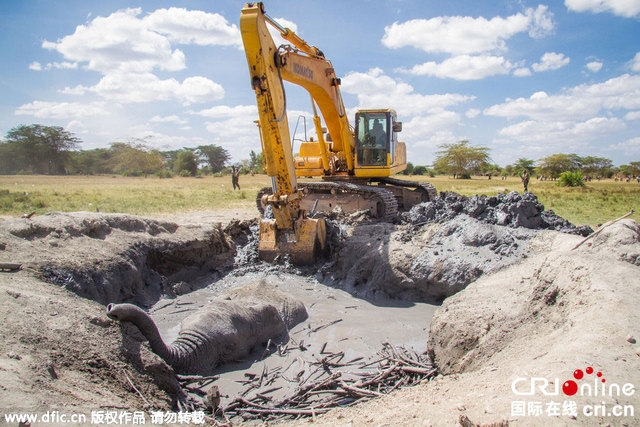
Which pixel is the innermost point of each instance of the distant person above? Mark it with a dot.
(525, 180)
(235, 174)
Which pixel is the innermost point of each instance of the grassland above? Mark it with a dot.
(597, 202)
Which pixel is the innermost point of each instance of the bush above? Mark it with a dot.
(571, 179)
(164, 173)
(185, 172)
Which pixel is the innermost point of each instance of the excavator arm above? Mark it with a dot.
(290, 232)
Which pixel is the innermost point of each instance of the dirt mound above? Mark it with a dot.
(511, 210)
(559, 311)
(115, 258)
(426, 262)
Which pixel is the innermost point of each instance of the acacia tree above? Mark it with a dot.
(214, 155)
(523, 164)
(37, 149)
(461, 159)
(555, 164)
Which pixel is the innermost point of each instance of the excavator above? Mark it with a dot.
(356, 164)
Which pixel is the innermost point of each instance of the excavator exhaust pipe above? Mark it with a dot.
(304, 243)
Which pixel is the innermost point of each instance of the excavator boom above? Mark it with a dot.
(291, 232)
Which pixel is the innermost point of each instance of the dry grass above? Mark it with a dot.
(597, 202)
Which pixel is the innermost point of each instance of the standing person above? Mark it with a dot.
(525, 180)
(235, 173)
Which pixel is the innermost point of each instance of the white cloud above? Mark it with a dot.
(194, 27)
(632, 115)
(167, 119)
(594, 66)
(466, 35)
(119, 42)
(60, 110)
(630, 147)
(626, 8)
(127, 49)
(550, 61)
(635, 62)
(554, 132)
(375, 89)
(35, 66)
(522, 72)
(224, 111)
(472, 113)
(579, 103)
(146, 87)
(464, 67)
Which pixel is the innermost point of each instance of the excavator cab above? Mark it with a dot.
(376, 137)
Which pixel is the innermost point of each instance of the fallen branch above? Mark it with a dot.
(135, 388)
(602, 227)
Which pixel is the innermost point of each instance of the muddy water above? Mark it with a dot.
(338, 322)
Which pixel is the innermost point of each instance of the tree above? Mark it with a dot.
(37, 149)
(128, 158)
(214, 155)
(553, 165)
(632, 169)
(256, 163)
(461, 159)
(186, 161)
(596, 166)
(523, 164)
(409, 169)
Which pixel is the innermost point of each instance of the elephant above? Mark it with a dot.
(227, 329)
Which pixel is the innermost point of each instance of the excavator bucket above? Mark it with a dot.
(304, 243)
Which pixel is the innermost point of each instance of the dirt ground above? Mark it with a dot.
(534, 310)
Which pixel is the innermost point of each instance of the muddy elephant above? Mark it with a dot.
(227, 329)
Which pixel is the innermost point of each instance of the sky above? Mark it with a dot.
(525, 78)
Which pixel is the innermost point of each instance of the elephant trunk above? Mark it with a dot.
(171, 354)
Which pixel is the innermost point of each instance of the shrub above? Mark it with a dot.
(164, 173)
(571, 179)
(185, 172)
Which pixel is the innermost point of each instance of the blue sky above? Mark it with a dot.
(524, 78)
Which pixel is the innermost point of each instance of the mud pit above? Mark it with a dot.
(382, 284)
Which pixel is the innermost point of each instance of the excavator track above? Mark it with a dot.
(423, 191)
(383, 202)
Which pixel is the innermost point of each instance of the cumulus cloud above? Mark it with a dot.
(194, 27)
(626, 8)
(630, 147)
(632, 115)
(464, 67)
(167, 119)
(375, 89)
(578, 103)
(60, 110)
(128, 49)
(35, 66)
(225, 111)
(594, 66)
(635, 62)
(550, 61)
(459, 35)
(473, 113)
(119, 42)
(522, 72)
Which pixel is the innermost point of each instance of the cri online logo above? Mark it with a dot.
(529, 386)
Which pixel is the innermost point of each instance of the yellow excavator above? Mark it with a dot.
(356, 165)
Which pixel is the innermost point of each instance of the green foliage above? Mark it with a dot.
(521, 165)
(186, 162)
(131, 159)
(164, 173)
(420, 170)
(37, 149)
(461, 159)
(409, 170)
(632, 169)
(214, 155)
(571, 179)
(555, 164)
(256, 162)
